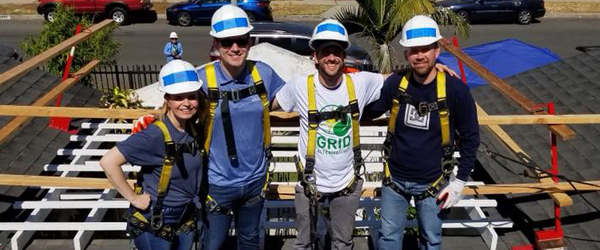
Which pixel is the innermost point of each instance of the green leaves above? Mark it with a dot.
(381, 21)
(101, 45)
(117, 98)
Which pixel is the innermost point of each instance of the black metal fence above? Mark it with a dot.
(125, 76)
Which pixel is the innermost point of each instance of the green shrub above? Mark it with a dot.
(100, 45)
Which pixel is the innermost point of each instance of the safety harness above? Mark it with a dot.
(214, 95)
(306, 174)
(448, 161)
(137, 222)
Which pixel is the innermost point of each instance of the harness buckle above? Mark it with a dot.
(252, 90)
(387, 146)
(432, 106)
(423, 108)
(235, 96)
(156, 218)
(448, 165)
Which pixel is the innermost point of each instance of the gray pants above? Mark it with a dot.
(342, 212)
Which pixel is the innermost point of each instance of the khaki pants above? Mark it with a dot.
(342, 212)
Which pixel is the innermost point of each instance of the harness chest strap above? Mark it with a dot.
(443, 111)
(215, 94)
(316, 117)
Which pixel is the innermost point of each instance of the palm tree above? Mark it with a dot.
(380, 21)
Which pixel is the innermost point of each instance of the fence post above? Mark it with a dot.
(117, 75)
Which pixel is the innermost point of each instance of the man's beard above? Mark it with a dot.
(423, 72)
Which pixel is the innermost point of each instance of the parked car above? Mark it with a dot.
(201, 11)
(295, 37)
(523, 11)
(121, 11)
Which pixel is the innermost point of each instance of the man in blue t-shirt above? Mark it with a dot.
(237, 159)
(420, 146)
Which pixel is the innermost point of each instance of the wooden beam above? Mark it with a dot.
(286, 191)
(13, 110)
(278, 117)
(561, 199)
(21, 69)
(538, 119)
(15, 123)
(562, 131)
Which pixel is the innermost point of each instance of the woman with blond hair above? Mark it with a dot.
(163, 212)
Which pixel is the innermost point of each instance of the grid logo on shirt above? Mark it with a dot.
(333, 136)
(414, 120)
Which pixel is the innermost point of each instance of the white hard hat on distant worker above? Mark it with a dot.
(420, 31)
(173, 35)
(229, 21)
(178, 77)
(330, 30)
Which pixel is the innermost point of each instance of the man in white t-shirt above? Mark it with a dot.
(333, 146)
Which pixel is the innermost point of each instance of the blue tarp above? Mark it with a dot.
(505, 58)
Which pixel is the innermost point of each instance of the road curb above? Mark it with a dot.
(307, 17)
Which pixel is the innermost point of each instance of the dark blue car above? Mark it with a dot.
(201, 11)
(522, 11)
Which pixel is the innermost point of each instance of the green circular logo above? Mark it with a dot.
(336, 127)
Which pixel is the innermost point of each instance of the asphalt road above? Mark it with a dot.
(143, 43)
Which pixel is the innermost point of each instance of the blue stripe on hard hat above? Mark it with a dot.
(420, 32)
(182, 76)
(230, 24)
(331, 27)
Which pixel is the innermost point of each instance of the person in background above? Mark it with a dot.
(173, 49)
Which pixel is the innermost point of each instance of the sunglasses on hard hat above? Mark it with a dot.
(241, 42)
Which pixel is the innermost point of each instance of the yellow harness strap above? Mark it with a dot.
(211, 79)
(165, 174)
(209, 123)
(212, 85)
(312, 125)
(443, 113)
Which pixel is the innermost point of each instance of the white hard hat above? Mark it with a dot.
(330, 30)
(420, 31)
(178, 77)
(173, 35)
(229, 21)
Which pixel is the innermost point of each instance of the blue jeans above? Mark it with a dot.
(149, 241)
(246, 215)
(393, 217)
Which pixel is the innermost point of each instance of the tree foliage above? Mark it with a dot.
(381, 21)
(100, 45)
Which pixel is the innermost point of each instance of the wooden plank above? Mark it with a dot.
(18, 110)
(59, 182)
(508, 91)
(286, 190)
(14, 110)
(15, 123)
(538, 119)
(561, 199)
(23, 68)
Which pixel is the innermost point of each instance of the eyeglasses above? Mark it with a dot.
(241, 42)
